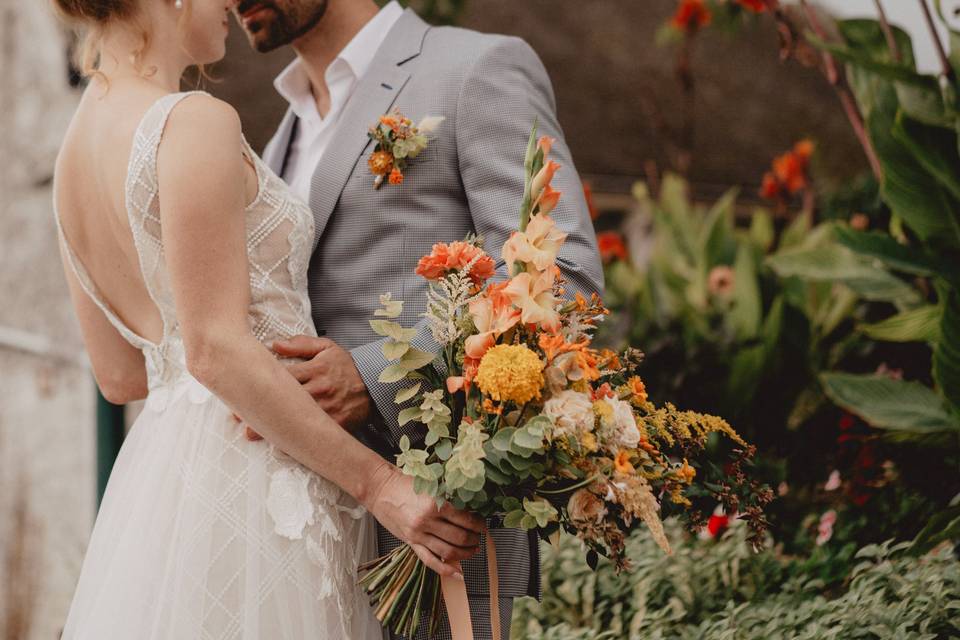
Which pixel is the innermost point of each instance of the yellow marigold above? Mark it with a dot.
(638, 389)
(381, 163)
(511, 373)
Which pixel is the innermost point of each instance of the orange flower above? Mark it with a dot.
(545, 144)
(548, 200)
(448, 258)
(790, 173)
(493, 315)
(554, 345)
(622, 462)
(542, 179)
(381, 163)
(611, 246)
(390, 121)
(638, 389)
(686, 472)
(691, 15)
(396, 177)
(757, 6)
(538, 245)
(604, 391)
(609, 359)
(533, 294)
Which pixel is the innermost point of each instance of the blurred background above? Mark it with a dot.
(776, 188)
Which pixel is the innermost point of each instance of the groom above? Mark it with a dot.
(355, 63)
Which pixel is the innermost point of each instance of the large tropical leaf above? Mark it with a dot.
(890, 404)
(946, 356)
(916, 325)
(894, 255)
(747, 312)
(836, 263)
(942, 526)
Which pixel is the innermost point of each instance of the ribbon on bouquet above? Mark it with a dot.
(458, 607)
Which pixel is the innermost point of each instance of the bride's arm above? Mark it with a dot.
(118, 367)
(202, 172)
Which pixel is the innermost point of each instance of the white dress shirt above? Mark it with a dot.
(313, 132)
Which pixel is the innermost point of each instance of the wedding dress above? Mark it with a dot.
(202, 534)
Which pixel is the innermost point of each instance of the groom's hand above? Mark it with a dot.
(330, 375)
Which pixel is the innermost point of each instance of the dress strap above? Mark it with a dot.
(91, 289)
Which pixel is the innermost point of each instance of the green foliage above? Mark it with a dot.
(721, 591)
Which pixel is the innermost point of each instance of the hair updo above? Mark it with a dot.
(90, 18)
(96, 12)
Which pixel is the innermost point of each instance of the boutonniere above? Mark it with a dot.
(398, 142)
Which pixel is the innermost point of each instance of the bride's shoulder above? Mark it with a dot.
(204, 116)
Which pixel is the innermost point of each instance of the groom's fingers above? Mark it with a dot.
(431, 560)
(463, 519)
(301, 346)
(455, 535)
(448, 552)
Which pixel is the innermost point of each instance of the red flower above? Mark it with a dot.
(770, 189)
(757, 6)
(847, 422)
(611, 246)
(717, 525)
(691, 15)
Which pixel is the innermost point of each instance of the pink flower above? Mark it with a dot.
(537, 246)
(825, 527)
(833, 482)
(533, 294)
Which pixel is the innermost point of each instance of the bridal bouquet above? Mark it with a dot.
(527, 421)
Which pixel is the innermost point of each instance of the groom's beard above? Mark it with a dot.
(274, 23)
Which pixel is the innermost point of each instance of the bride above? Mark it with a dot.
(185, 256)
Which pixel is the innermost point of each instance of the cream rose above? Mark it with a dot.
(626, 424)
(571, 413)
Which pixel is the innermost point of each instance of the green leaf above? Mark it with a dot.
(747, 312)
(946, 355)
(762, 232)
(513, 519)
(917, 325)
(415, 359)
(410, 415)
(541, 510)
(837, 264)
(393, 373)
(393, 330)
(935, 151)
(391, 308)
(942, 526)
(407, 394)
(443, 449)
(883, 247)
(890, 404)
(393, 350)
(501, 439)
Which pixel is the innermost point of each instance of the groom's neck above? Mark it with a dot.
(319, 47)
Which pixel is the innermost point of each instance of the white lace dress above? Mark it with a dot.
(202, 534)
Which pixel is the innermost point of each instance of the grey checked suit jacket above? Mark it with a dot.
(490, 88)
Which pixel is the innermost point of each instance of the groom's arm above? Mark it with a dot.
(505, 90)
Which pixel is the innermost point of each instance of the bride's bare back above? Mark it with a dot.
(90, 196)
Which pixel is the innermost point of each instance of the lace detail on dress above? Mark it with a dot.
(279, 229)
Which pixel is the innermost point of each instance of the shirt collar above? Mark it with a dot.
(293, 84)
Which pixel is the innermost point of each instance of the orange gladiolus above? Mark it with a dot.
(612, 246)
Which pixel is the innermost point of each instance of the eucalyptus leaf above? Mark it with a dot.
(393, 373)
(405, 395)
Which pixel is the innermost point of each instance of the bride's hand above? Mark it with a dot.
(437, 536)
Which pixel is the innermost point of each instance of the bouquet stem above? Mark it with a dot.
(402, 591)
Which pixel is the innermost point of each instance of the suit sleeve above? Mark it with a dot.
(506, 89)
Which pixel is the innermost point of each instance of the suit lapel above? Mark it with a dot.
(276, 153)
(374, 96)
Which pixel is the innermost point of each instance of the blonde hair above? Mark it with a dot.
(90, 19)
